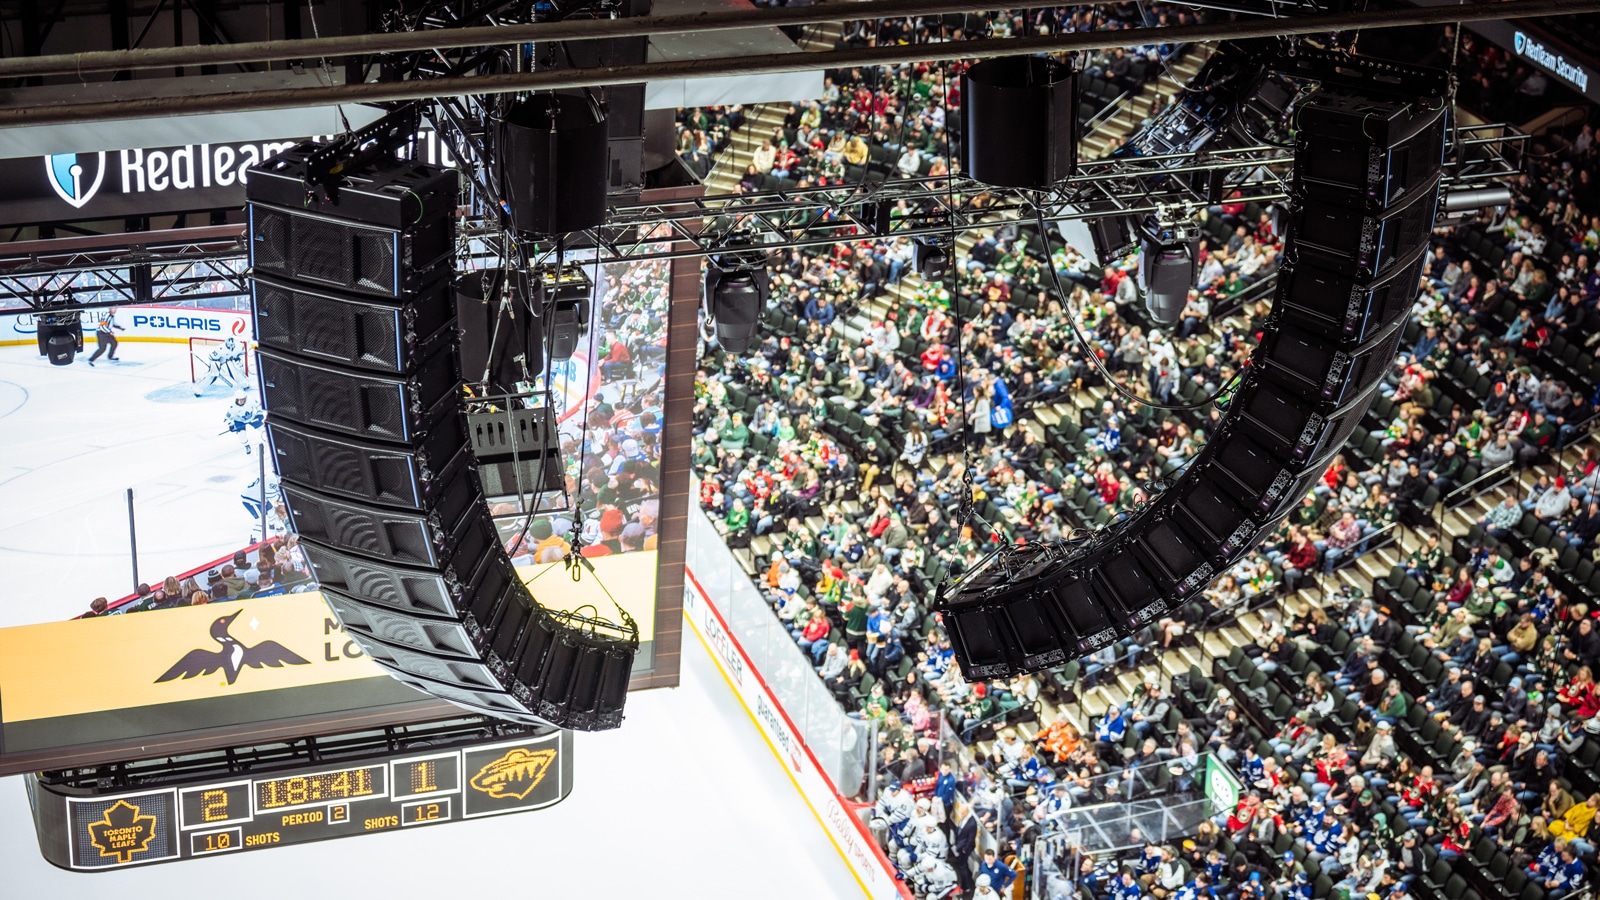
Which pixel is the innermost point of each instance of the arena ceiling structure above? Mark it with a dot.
(526, 97)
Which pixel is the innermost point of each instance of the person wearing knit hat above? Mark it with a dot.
(632, 537)
(612, 522)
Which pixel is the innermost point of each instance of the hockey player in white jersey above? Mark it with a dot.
(929, 841)
(935, 877)
(244, 417)
(224, 366)
(896, 806)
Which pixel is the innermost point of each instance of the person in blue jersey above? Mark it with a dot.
(1111, 730)
(1126, 887)
(1566, 875)
(999, 874)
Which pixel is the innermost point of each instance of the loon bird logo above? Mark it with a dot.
(514, 775)
(1519, 40)
(233, 657)
(71, 180)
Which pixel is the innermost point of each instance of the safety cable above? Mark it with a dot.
(1089, 350)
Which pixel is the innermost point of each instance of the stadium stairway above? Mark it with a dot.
(762, 118)
(1105, 135)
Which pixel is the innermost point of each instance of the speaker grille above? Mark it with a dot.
(269, 239)
(363, 405)
(444, 636)
(411, 476)
(375, 260)
(363, 401)
(322, 251)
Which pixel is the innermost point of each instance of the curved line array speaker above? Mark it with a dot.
(362, 388)
(1366, 185)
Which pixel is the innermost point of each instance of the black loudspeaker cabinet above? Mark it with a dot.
(1352, 262)
(1019, 121)
(1362, 152)
(364, 413)
(1363, 242)
(384, 233)
(554, 168)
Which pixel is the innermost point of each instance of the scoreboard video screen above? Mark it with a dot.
(90, 829)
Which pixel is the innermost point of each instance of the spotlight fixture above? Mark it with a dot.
(737, 288)
(932, 257)
(1462, 205)
(60, 336)
(1167, 263)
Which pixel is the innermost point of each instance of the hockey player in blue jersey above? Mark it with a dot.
(244, 417)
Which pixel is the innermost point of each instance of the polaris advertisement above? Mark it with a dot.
(172, 324)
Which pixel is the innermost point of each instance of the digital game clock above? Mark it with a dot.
(128, 814)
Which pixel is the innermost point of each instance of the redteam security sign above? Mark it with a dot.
(115, 184)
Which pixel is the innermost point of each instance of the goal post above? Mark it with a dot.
(200, 353)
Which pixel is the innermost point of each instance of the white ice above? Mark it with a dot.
(73, 439)
(685, 800)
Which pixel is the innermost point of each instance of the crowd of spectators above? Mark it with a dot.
(1376, 742)
(835, 449)
(268, 569)
(874, 123)
(611, 439)
(854, 522)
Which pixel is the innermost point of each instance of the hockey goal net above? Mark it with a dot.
(200, 356)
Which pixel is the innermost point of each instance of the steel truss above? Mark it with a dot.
(774, 220)
(93, 279)
(833, 214)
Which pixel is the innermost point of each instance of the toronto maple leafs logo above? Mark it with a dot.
(122, 832)
(76, 177)
(514, 775)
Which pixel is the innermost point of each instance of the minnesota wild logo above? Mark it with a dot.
(514, 775)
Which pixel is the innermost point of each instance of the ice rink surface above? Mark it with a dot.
(73, 439)
(685, 800)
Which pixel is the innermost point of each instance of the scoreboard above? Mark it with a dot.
(92, 828)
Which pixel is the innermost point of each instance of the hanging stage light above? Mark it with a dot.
(931, 255)
(60, 336)
(737, 288)
(1167, 259)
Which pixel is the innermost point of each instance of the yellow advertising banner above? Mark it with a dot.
(243, 647)
(172, 655)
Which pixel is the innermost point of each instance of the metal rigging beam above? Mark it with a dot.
(487, 36)
(515, 82)
(86, 273)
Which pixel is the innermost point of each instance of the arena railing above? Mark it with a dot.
(823, 750)
(121, 605)
(1058, 855)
